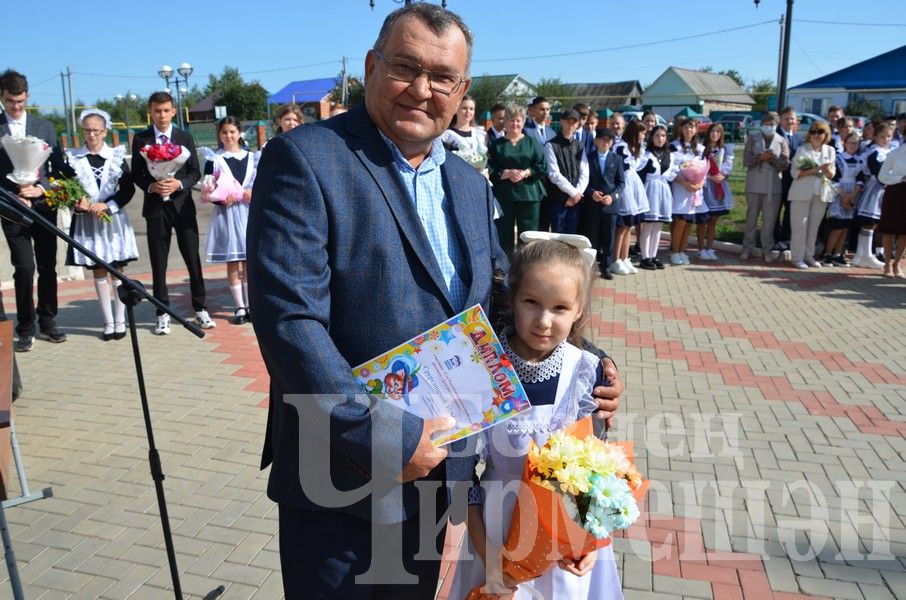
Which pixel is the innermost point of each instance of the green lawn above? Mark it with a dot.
(730, 227)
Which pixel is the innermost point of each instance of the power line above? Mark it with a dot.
(630, 46)
(850, 24)
(320, 64)
(806, 54)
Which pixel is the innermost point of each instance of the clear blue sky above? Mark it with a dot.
(117, 47)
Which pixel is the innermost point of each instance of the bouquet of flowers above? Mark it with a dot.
(218, 187)
(26, 153)
(473, 157)
(805, 163)
(694, 171)
(164, 160)
(576, 491)
(66, 193)
(714, 160)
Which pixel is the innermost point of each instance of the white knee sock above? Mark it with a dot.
(236, 290)
(645, 232)
(245, 291)
(655, 241)
(866, 235)
(119, 309)
(103, 291)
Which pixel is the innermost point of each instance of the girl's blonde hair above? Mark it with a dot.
(547, 252)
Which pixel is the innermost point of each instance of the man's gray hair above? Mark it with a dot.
(438, 19)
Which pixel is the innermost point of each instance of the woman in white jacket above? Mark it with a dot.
(813, 168)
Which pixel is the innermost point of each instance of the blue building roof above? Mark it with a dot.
(885, 71)
(309, 90)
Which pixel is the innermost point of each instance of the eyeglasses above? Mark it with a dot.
(818, 132)
(407, 71)
(93, 131)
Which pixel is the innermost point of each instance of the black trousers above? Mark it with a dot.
(601, 229)
(161, 227)
(27, 246)
(322, 552)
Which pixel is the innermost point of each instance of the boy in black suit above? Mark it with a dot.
(602, 196)
(177, 212)
(31, 244)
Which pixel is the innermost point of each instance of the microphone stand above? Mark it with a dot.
(131, 292)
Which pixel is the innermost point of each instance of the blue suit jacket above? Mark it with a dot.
(611, 181)
(341, 271)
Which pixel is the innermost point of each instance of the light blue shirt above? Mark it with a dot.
(426, 189)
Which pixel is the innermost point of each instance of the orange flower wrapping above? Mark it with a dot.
(542, 532)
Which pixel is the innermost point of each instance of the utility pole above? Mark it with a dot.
(785, 61)
(65, 105)
(780, 56)
(345, 82)
(71, 100)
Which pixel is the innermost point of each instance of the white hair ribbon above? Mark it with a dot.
(589, 254)
(96, 112)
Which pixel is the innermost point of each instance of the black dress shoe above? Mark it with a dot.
(647, 264)
(24, 343)
(108, 336)
(52, 335)
(657, 263)
(240, 317)
(607, 275)
(248, 314)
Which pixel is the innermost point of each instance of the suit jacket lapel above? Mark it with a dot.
(462, 219)
(4, 126)
(376, 157)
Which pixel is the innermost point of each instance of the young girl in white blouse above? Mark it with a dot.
(231, 166)
(550, 283)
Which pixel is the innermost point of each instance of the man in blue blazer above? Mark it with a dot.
(365, 232)
(606, 180)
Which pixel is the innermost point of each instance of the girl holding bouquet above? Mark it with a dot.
(688, 206)
(550, 281)
(100, 223)
(717, 195)
(229, 176)
(634, 202)
(848, 184)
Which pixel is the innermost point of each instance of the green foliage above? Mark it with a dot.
(556, 92)
(355, 90)
(760, 90)
(244, 100)
(488, 90)
(861, 106)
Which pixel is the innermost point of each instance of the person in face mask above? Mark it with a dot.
(766, 156)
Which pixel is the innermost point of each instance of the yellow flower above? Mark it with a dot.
(574, 479)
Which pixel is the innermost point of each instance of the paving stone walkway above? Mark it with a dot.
(767, 405)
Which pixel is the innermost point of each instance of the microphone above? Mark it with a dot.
(12, 209)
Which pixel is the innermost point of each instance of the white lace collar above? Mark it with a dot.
(105, 152)
(237, 155)
(534, 372)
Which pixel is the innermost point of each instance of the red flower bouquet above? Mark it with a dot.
(164, 160)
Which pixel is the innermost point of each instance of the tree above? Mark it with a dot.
(761, 90)
(355, 90)
(556, 92)
(243, 100)
(487, 90)
(731, 73)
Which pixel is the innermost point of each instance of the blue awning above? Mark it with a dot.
(309, 90)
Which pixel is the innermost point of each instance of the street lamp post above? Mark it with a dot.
(126, 100)
(166, 73)
(184, 70)
(785, 54)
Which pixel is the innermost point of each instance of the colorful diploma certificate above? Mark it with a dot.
(455, 369)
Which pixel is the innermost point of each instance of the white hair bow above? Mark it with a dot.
(96, 112)
(589, 254)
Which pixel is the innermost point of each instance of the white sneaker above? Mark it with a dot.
(787, 256)
(204, 320)
(703, 254)
(871, 262)
(630, 268)
(684, 257)
(800, 264)
(618, 268)
(163, 325)
(856, 260)
(774, 254)
(812, 262)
